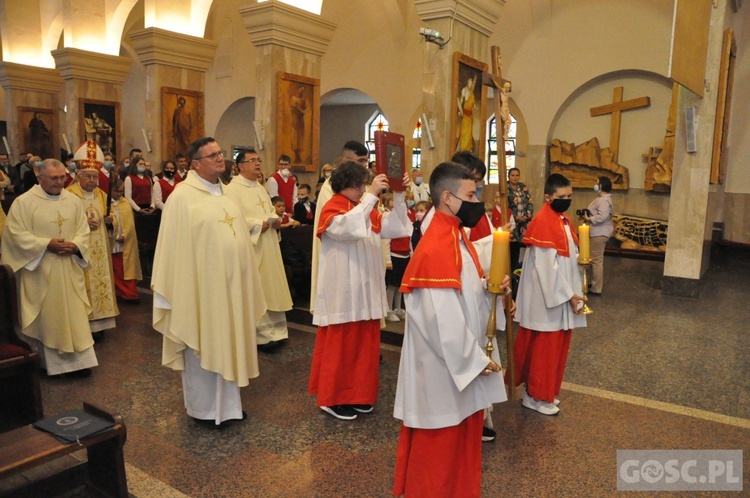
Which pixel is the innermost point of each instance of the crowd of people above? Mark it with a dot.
(419, 254)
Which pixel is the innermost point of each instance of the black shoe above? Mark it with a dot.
(341, 412)
(84, 373)
(488, 435)
(592, 293)
(98, 336)
(362, 408)
(268, 348)
(244, 415)
(208, 424)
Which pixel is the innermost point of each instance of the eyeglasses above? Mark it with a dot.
(252, 160)
(213, 156)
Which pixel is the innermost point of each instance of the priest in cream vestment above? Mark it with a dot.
(255, 204)
(208, 300)
(100, 282)
(46, 242)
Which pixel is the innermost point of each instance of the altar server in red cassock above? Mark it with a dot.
(445, 379)
(549, 299)
(351, 299)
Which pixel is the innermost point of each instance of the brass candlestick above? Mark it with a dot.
(585, 264)
(496, 292)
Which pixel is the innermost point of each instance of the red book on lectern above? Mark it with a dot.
(389, 158)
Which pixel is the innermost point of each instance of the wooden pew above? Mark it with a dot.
(27, 447)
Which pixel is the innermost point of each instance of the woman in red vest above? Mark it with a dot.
(165, 184)
(138, 188)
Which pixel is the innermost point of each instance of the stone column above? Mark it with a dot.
(688, 244)
(171, 60)
(288, 40)
(473, 22)
(29, 86)
(90, 76)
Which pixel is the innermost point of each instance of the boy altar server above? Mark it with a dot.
(351, 298)
(445, 379)
(549, 299)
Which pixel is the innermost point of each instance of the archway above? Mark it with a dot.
(344, 112)
(235, 128)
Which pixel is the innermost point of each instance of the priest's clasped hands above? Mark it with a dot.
(61, 247)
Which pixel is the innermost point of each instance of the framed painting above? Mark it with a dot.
(37, 130)
(100, 122)
(298, 120)
(469, 105)
(182, 120)
(390, 158)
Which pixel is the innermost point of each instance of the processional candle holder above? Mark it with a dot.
(585, 264)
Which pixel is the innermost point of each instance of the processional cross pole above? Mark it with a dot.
(502, 88)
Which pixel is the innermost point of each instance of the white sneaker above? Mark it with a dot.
(401, 313)
(556, 402)
(540, 406)
(392, 317)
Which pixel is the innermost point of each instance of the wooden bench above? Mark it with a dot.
(27, 447)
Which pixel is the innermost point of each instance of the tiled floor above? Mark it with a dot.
(649, 372)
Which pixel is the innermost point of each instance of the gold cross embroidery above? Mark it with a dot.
(59, 221)
(262, 204)
(229, 220)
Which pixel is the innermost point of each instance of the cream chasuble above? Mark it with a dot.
(51, 288)
(124, 222)
(255, 204)
(210, 298)
(100, 281)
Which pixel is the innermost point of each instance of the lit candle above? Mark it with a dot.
(500, 265)
(584, 243)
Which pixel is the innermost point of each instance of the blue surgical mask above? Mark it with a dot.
(418, 180)
(72, 167)
(410, 204)
(479, 191)
(109, 164)
(141, 169)
(597, 188)
(38, 164)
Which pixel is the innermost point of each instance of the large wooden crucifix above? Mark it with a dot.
(502, 89)
(616, 108)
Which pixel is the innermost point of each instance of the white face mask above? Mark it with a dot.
(327, 174)
(285, 172)
(597, 188)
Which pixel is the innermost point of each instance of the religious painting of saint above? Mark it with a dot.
(181, 119)
(37, 131)
(100, 122)
(469, 106)
(298, 120)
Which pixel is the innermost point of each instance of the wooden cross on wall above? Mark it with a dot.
(616, 108)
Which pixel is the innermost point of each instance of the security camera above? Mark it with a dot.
(432, 36)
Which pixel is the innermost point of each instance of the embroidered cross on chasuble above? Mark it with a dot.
(229, 220)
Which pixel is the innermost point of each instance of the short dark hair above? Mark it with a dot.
(134, 150)
(511, 170)
(471, 161)
(447, 176)
(357, 147)
(240, 155)
(284, 157)
(605, 183)
(196, 145)
(554, 182)
(168, 161)
(276, 199)
(348, 174)
(179, 156)
(304, 185)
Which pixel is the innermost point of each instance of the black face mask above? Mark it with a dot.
(560, 205)
(168, 174)
(470, 212)
(303, 200)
